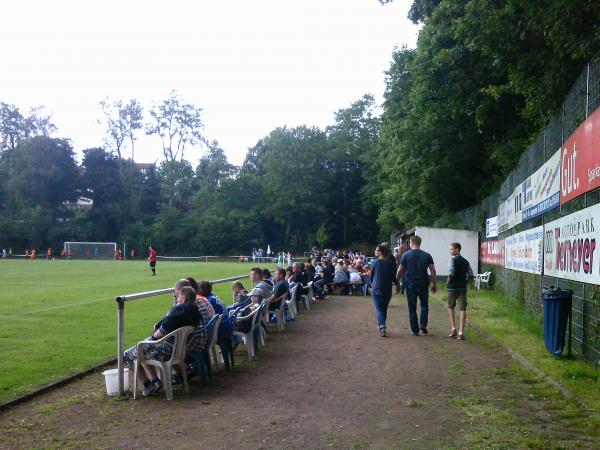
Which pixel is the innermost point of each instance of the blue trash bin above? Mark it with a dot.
(557, 311)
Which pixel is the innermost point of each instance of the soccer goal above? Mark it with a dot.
(90, 250)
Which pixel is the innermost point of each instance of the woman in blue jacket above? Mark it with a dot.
(383, 276)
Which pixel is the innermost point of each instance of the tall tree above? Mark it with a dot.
(121, 121)
(352, 139)
(42, 172)
(177, 124)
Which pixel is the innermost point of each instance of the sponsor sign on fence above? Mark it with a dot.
(570, 246)
(523, 251)
(491, 227)
(580, 160)
(542, 189)
(492, 252)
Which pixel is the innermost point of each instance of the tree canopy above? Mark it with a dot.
(458, 111)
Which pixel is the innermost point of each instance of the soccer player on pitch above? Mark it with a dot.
(152, 260)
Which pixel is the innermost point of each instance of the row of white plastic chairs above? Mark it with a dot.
(260, 318)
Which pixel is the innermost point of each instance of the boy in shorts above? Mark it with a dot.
(459, 271)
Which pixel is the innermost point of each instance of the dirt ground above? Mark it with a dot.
(329, 381)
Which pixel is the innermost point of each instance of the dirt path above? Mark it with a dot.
(329, 381)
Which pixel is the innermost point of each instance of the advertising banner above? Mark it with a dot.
(523, 251)
(580, 160)
(491, 227)
(502, 217)
(492, 252)
(542, 189)
(514, 206)
(570, 246)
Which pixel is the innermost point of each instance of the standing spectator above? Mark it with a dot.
(459, 271)
(132, 254)
(34, 254)
(413, 267)
(26, 253)
(49, 254)
(3, 253)
(152, 260)
(382, 278)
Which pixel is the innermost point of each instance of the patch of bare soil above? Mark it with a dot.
(328, 381)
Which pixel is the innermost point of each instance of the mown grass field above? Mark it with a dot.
(59, 317)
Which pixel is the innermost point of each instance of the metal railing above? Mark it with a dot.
(122, 299)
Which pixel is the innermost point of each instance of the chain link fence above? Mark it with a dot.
(525, 288)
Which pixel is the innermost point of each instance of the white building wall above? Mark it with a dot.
(436, 241)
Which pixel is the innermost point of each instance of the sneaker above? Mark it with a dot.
(382, 331)
(158, 385)
(412, 333)
(460, 337)
(452, 333)
(424, 330)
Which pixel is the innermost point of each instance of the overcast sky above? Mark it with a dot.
(251, 65)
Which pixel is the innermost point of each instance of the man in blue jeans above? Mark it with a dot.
(414, 265)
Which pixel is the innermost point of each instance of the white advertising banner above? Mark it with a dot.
(491, 227)
(514, 206)
(542, 189)
(570, 246)
(502, 218)
(523, 251)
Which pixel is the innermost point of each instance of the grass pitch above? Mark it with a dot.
(59, 317)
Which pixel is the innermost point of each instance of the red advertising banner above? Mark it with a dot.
(492, 252)
(580, 160)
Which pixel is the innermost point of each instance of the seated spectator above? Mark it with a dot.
(241, 320)
(267, 275)
(328, 271)
(299, 277)
(340, 277)
(240, 293)
(182, 314)
(226, 326)
(256, 277)
(202, 303)
(206, 291)
(281, 288)
(356, 280)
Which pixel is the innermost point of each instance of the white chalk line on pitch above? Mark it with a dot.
(50, 308)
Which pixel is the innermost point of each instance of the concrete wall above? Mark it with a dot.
(437, 240)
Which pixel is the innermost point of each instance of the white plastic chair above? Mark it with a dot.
(177, 358)
(248, 338)
(484, 279)
(291, 303)
(279, 313)
(308, 297)
(212, 340)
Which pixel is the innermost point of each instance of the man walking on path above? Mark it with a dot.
(413, 270)
(459, 271)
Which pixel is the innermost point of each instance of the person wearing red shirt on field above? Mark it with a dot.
(152, 260)
(49, 254)
(33, 254)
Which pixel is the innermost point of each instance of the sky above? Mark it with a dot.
(251, 66)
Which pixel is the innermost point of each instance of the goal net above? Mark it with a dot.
(90, 250)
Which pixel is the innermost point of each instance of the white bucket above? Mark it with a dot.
(112, 381)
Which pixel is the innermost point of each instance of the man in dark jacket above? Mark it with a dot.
(459, 271)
